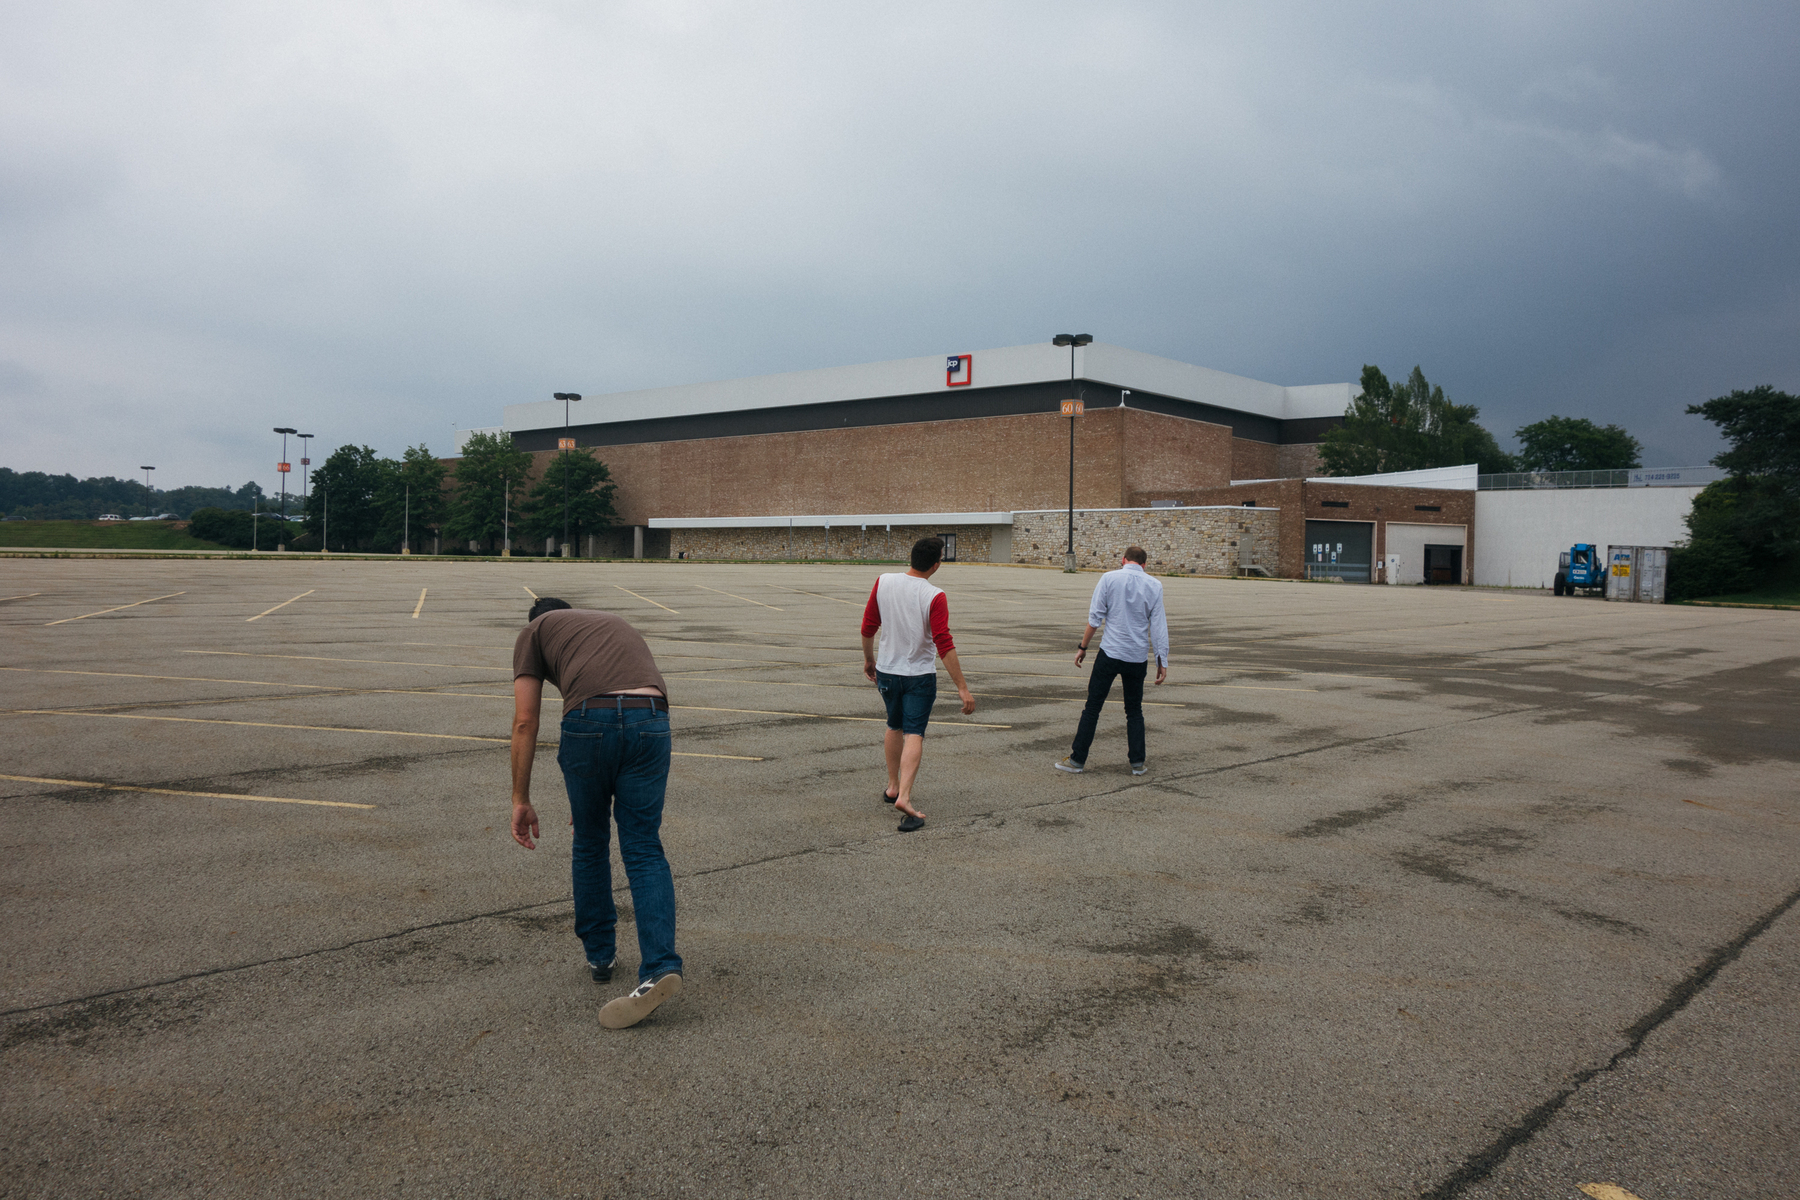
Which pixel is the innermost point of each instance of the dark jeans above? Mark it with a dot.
(908, 698)
(615, 764)
(1099, 686)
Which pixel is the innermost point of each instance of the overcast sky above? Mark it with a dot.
(381, 221)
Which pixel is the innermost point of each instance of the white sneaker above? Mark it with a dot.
(1140, 768)
(1071, 766)
(627, 1011)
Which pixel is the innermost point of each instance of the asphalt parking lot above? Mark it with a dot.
(1429, 892)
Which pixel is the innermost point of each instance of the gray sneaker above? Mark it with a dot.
(627, 1011)
(602, 972)
(1071, 766)
(1140, 768)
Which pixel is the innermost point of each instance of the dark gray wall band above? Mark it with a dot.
(1009, 401)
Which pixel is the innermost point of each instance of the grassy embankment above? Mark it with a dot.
(101, 535)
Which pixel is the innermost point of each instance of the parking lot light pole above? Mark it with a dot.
(565, 445)
(149, 505)
(305, 468)
(284, 466)
(1072, 407)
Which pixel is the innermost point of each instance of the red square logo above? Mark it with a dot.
(959, 370)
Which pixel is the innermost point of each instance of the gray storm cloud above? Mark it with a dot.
(379, 221)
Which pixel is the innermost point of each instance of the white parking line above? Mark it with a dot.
(129, 787)
(259, 616)
(734, 596)
(647, 600)
(104, 611)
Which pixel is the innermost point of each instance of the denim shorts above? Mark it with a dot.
(909, 699)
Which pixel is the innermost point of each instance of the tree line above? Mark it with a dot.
(38, 496)
(365, 502)
(1412, 425)
(1744, 530)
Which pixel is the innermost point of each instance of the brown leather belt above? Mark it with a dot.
(614, 701)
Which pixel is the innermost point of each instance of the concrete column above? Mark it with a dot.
(637, 541)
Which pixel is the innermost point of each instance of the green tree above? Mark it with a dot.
(589, 493)
(412, 498)
(1763, 427)
(490, 476)
(1744, 530)
(1408, 427)
(349, 485)
(1575, 444)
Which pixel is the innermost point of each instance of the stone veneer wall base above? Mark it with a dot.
(1179, 541)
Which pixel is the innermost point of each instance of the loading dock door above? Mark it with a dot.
(1340, 550)
(1443, 564)
(1408, 540)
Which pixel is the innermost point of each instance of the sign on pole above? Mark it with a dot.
(565, 443)
(284, 468)
(1071, 408)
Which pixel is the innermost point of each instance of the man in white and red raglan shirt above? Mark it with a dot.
(914, 620)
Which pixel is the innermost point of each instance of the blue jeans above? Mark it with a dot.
(908, 699)
(615, 764)
(1106, 669)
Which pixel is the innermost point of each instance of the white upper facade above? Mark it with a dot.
(1013, 365)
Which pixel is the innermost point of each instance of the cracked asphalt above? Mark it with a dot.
(1429, 892)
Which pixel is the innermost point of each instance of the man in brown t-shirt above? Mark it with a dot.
(614, 755)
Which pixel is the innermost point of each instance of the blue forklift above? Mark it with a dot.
(1583, 566)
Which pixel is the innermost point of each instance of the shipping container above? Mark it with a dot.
(1637, 573)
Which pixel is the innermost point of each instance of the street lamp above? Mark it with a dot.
(1071, 409)
(149, 505)
(305, 468)
(284, 466)
(565, 444)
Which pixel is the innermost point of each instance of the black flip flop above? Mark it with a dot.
(887, 799)
(911, 823)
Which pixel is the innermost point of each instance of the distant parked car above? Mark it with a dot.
(157, 517)
(109, 517)
(15, 518)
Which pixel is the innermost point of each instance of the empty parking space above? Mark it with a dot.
(1416, 875)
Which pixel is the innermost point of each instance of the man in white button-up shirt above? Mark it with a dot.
(1129, 603)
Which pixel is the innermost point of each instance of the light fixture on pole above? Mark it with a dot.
(1071, 409)
(305, 468)
(565, 444)
(284, 466)
(149, 504)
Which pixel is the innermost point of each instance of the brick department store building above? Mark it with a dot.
(856, 462)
